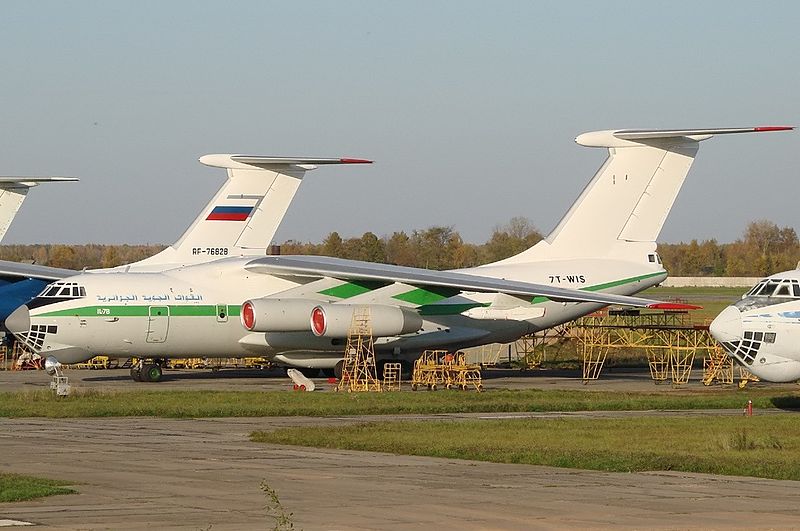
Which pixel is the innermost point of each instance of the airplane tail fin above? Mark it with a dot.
(244, 215)
(13, 191)
(623, 208)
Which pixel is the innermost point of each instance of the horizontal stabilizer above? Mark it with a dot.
(244, 162)
(33, 181)
(642, 134)
(325, 266)
(620, 138)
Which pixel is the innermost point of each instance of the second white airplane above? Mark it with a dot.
(214, 293)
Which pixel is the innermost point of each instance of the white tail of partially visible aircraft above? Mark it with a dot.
(621, 211)
(13, 191)
(244, 215)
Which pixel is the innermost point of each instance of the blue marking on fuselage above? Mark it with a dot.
(15, 294)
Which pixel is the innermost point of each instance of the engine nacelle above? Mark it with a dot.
(277, 315)
(335, 320)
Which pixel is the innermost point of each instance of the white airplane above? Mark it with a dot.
(189, 300)
(762, 330)
(13, 290)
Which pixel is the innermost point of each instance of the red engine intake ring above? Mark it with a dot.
(318, 323)
(248, 316)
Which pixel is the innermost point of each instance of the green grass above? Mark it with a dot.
(766, 446)
(14, 487)
(193, 404)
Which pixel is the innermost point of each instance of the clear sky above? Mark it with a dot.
(469, 109)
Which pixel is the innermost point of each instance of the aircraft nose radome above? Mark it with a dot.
(727, 326)
(19, 321)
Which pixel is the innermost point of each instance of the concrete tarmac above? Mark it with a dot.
(146, 473)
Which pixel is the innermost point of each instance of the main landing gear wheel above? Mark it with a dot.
(337, 370)
(151, 372)
(136, 372)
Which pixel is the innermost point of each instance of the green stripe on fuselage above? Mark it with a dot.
(175, 310)
(607, 285)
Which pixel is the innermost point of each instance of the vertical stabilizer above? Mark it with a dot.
(621, 211)
(13, 191)
(245, 213)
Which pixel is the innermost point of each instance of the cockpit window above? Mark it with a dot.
(768, 288)
(783, 290)
(765, 292)
(63, 290)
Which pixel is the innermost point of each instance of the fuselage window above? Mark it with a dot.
(651, 258)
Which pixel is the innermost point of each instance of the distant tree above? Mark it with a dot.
(399, 250)
(513, 238)
(63, 256)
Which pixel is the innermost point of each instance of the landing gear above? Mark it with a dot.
(151, 372)
(337, 370)
(147, 371)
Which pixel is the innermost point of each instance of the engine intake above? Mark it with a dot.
(277, 315)
(335, 320)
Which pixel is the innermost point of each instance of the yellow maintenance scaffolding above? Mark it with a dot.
(437, 368)
(532, 349)
(359, 372)
(19, 358)
(669, 338)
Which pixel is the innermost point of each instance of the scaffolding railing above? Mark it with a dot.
(359, 372)
(669, 339)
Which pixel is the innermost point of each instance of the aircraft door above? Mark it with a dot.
(157, 324)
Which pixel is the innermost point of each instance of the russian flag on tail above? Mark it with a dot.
(230, 213)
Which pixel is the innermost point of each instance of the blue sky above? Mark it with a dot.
(469, 109)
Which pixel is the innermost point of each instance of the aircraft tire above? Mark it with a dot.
(337, 370)
(151, 372)
(136, 373)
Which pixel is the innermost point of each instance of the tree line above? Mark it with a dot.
(763, 249)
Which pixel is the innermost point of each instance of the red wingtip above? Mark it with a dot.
(673, 306)
(773, 128)
(355, 161)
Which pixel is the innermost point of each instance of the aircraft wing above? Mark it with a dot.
(18, 270)
(323, 266)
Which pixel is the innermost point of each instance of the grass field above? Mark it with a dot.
(14, 487)
(766, 446)
(194, 404)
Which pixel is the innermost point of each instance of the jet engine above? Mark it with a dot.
(335, 320)
(277, 315)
